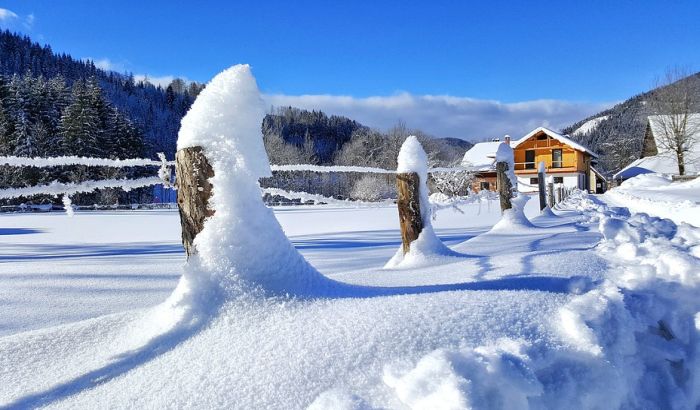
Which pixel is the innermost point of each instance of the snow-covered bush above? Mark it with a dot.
(373, 188)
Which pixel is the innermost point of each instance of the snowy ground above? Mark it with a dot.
(55, 269)
(657, 195)
(543, 317)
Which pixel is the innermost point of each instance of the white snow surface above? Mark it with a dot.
(658, 195)
(588, 307)
(529, 320)
(564, 139)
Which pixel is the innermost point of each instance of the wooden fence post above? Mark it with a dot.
(192, 170)
(541, 186)
(550, 191)
(504, 186)
(408, 187)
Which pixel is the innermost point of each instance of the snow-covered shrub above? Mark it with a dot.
(373, 188)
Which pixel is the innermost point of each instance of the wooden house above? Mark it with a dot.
(568, 162)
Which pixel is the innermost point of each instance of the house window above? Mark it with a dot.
(534, 181)
(558, 180)
(530, 159)
(485, 186)
(542, 137)
(556, 158)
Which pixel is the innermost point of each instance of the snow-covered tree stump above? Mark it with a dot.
(408, 187)
(193, 192)
(505, 188)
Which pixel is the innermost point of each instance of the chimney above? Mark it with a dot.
(507, 139)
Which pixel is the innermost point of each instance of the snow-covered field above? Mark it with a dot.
(587, 306)
(57, 269)
(657, 195)
(525, 318)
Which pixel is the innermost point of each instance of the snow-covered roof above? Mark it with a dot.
(482, 156)
(659, 123)
(657, 164)
(666, 162)
(564, 139)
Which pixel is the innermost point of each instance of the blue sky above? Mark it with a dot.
(576, 56)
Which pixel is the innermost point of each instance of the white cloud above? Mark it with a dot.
(7, 15)
(105, 64)
(447, 116)
(121, 67)
(162, 81)
(29, 21)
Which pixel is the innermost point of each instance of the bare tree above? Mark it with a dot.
(676, 127)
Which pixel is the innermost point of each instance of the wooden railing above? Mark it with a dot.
(532, 166)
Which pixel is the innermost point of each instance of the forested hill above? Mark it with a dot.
(32, 76)
(617, 133)
(296, 136)
(43, 95)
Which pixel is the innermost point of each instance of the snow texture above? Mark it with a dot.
(658, 195)
(68, 205)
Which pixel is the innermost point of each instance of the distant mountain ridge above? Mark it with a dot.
(616, 134)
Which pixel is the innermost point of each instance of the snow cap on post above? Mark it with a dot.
(225, 120)
(505, 154)
(541, 167)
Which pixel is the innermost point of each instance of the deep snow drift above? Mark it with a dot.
(658, 195)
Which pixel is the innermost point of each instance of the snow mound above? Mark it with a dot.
(428, 249)
(495, 376)
(646, 181)
(514, 219)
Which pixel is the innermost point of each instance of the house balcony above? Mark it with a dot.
(552, 168)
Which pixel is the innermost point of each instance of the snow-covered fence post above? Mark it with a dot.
(505, 174)
(417, 234)
(550, 192)
(193, 191)
(541, 175)
(408, 188)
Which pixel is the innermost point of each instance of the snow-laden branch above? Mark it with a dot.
(317, 199)
(331, 168)
(347, 168)
(57, 188)
(75, 160)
